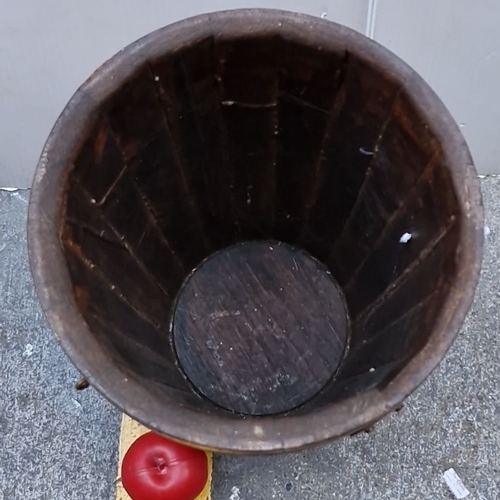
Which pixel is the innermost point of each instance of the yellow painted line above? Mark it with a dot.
(129, 432)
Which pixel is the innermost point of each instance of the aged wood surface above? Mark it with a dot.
(255, 126)
(260, 328)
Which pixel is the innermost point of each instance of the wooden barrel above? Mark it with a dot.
(255, 231)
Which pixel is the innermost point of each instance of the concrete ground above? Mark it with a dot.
(59, 444)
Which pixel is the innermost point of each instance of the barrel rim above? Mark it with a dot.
(217, 432)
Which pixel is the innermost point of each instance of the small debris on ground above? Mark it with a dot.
(77, 403)
(455, 484)
(28, 350)
(235, 493)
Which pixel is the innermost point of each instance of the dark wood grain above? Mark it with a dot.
(427, 217)
(310, 99)
(156, 167)
(260, 328)
(395, 327)
(190, 92)
(248, 72)
(353, 140)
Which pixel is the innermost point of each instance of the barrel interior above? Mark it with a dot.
(254, 138)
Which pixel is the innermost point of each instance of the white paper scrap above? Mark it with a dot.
(405, 238)
(455, 484)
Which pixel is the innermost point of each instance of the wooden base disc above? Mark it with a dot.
(260, 327)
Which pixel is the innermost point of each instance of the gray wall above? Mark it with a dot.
(47, 49)
(455, 46)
